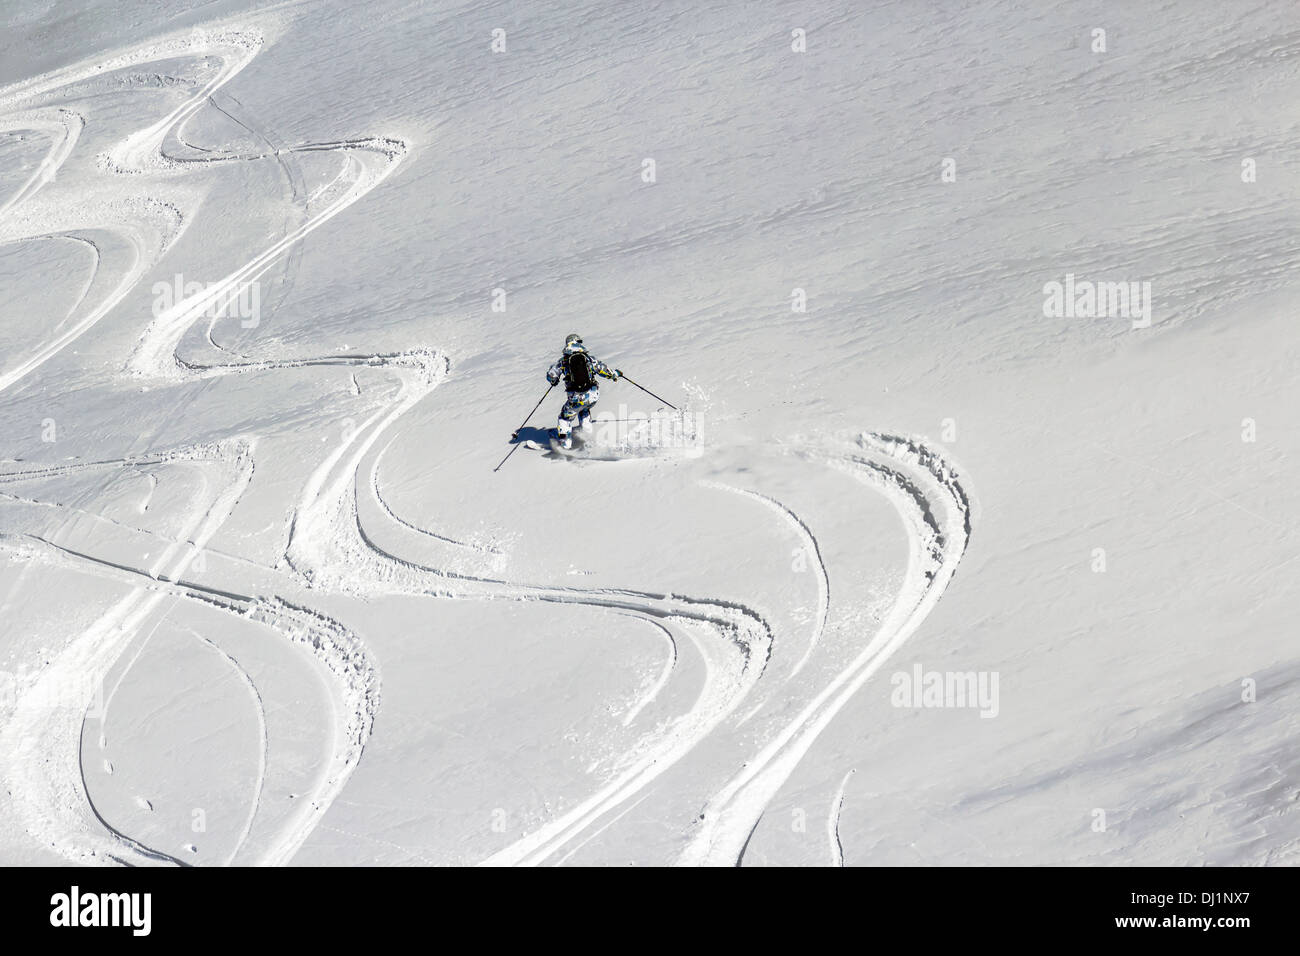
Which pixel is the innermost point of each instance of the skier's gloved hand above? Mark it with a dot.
(552, 376)
(617, 374)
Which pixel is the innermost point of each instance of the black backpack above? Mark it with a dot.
(577, 372)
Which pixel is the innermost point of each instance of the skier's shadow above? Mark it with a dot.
(529, 433)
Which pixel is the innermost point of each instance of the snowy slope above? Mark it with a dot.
(281, 282)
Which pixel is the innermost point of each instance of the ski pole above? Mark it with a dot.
(515, 433)
(650, 393)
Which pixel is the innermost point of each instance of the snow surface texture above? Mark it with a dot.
(280, 283)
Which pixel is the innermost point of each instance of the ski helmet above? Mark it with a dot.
(573, 338)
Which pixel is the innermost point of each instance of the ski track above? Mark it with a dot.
(329, 546)
(144, 228)
(263, 748)
(128, 851)
(371, 160)
(48, 795)
(125, 839)
(812, 548)
(833, 823)
(619, 815)
(336, 647)
(671, 662)
(374, 476)
(63, 127)
(899, 467)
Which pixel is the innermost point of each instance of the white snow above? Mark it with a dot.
(266, 601)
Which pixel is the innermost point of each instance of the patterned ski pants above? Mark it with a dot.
(576, 408)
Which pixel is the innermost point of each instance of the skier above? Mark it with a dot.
(579, 369)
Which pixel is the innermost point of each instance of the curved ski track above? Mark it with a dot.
(937, 514)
